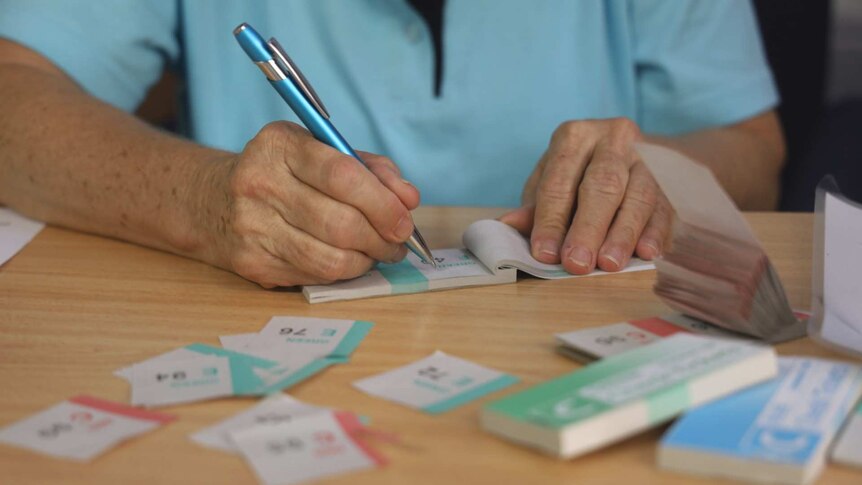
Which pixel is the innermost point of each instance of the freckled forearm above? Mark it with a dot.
(73, 161)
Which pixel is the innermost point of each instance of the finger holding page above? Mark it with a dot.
(631, 218)
(658, 228)
(521, 219)
(599, 197)
(562, 168)
(587, 163)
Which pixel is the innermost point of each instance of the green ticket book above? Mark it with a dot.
(627, 393)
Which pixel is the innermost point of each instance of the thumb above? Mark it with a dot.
(521, 219)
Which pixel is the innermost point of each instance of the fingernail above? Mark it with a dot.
(581, 257)
(406, 182)
(404, 228)
(616, 256)
(547, 248)
(653, 247)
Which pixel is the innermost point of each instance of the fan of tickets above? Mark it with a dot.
(715, 268)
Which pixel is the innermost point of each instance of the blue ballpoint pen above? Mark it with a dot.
(289, 82)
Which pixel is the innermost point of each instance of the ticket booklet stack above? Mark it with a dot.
(715, 268)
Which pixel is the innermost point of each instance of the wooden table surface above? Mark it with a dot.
(73, 308)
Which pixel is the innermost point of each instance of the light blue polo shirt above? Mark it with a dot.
(513, 70)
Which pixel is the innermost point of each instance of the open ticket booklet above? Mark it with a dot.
(494, 254)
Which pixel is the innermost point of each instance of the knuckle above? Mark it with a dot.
(277, 131)
(557, 193)
(569, 131)
(550, 225)
(607, 180)
(276, 139)
(388, 165)
(588, 231)
(381, 161)
(385, 213)
(344, 174)
(653, 232)
(242, 225)
(556, 187)
(553, 222)
(642, 195)
(335, 267)
(341, 228)
(392, 207)
(374, 163)
(378, 163)
(625, 127)
(626, 234)
(249, 267)
(589, 228)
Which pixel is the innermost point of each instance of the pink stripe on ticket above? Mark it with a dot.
(658, 326)
(349, 422)
(121, 409)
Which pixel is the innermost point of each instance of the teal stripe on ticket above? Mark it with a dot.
(243, 378)
(300, 375)
(472, 394)
(404, 277)
(354, 336)
(668, 403)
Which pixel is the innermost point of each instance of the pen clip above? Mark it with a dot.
(287, 65)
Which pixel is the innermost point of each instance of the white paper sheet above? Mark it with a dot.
(308, 448)
(15, 232)
(436, 383)
(273, 410)
(80, 428)
(164, 383)
(842, 274)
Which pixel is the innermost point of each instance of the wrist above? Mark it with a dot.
(200, 230)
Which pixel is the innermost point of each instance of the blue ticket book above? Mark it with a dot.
(775, 432)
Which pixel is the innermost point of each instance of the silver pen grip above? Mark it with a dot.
(417, 244)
